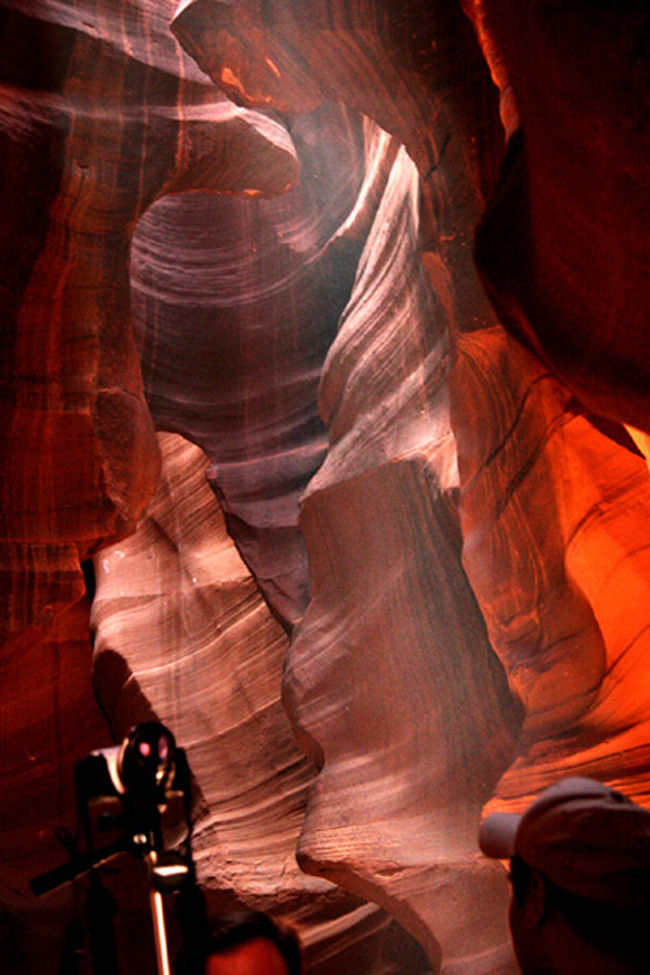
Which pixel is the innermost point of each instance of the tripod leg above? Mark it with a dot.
(100, 910)
(158, 919)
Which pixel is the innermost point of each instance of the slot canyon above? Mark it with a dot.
(324, 439)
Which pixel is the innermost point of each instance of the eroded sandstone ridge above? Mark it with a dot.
(99, 126)
(563, 247)
(387, 566)
(183, 635)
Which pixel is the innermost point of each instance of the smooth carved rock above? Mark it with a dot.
(179, 621)
(415, 70)
(564, 248)
(384, 399)
(182, 632)
(553, 513)
(405, 710)
(263, 284)
(391, 681)
(98, 127)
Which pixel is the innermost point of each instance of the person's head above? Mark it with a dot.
(580, 873)
(251, 943)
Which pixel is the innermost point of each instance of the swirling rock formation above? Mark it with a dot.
(99, 118)
(416, 70)
(175, 642)
(563, 247)
(173, 647)
(233, 305)
(384, 327)
(571, 600)
(386, 446)
(407, 714)
(448, 537)
(264, 284)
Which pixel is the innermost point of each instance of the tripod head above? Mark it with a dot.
(142, 774)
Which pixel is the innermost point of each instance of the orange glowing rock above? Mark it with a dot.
(554, 513)
(470, 622)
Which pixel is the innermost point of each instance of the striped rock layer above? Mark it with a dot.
(366, 511)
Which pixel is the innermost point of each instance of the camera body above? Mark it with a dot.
(139, 777)
(142, 774)
(142, 769)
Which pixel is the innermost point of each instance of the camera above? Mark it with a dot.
(140, 776)
(130, 786)
(142, 770)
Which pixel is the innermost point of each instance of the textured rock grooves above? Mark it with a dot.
(563, 248)
(172, 605)
(409, 717)
(100, 136)
(378, 557)
(572, 599)
(264, 285)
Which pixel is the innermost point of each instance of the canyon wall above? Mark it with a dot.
(323, 443)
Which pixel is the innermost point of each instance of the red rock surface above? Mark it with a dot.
(416, 70)
(406, 712)
(435, 535)
(183, 634)
(571, 602)
(50, 720)
(263, 285)
(96, 129)
(564, 245)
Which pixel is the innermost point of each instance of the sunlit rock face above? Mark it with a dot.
(416, 69)
(566, 609)
(232, 304)
(391, 450)
(417, 522)
(408, 715)
(234, 326)
(171, 606)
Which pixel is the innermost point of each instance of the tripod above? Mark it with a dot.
(143, 773)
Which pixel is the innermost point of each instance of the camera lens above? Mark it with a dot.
(146, 761)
